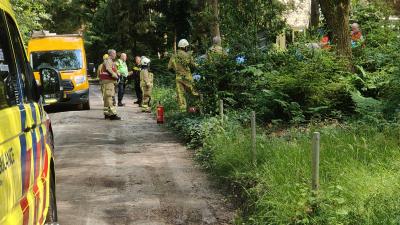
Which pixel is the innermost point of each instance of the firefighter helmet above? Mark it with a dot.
(183, 43)
(145, 61)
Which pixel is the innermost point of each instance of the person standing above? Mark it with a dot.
(146, 83)
(357, 38)
(108, 78)
(99, 70)
(124, 73)
(136, 81)
(181, 63)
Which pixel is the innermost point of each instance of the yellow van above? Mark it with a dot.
(66, 53)
(27, 180)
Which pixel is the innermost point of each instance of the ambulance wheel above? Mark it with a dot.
(52, 216)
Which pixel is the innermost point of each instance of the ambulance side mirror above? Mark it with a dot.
(51, 88)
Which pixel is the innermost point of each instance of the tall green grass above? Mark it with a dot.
(360, 177)
(359, 170)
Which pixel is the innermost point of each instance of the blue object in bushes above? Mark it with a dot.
(196, 77)
(240, 59)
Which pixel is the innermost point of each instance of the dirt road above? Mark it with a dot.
(128, 172)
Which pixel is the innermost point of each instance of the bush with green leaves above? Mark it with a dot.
(377, 64)
(293, 86)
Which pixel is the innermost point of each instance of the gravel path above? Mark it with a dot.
(128, 172)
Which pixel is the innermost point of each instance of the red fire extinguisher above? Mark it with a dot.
(160, 113)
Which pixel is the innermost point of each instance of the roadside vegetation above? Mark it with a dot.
(350, 96)
(295, 93)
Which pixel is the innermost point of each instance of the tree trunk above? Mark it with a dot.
(215, 31)
(314, 22)
(337, 15)
(342, 32)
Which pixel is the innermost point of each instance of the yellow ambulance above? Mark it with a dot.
(66, 53)
(27, 179)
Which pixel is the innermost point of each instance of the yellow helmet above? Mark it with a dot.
(105, 56)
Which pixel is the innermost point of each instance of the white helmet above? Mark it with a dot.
(145, 61)
(183, 43)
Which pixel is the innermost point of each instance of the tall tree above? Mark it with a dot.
(314, 21)
(215, 30)
(30, 15)
(337, 15)
(71, 16)
(244, 23)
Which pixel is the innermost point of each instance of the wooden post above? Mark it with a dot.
(175, 40)
(253, 138)
(201, 104)
(315, 161)
(221, 109)
(293, 36)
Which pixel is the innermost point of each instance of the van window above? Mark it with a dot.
(60, 60)
(9, 91)
(22, 63)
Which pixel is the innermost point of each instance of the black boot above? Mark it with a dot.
(115, 117)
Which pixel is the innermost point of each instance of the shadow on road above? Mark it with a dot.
(61, 108)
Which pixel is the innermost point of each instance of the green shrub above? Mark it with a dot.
(280, 86)
(162, 76)
(377, 64)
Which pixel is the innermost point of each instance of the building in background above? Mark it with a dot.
(297, 17)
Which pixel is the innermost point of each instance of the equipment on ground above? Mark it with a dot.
(160, 113)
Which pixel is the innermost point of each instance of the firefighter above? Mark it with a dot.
(146, 83)
(136, 81)
(99, 70)
(181, 63)
(108, 78)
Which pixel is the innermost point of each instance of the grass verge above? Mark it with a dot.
(360, 164)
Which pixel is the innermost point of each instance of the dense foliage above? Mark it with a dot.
(313, 90)
(292, 86)
(293, 92)
(377, 64)
(31, 15)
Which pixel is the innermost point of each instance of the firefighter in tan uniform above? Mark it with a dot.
(146, 84)
(181, 63)
(99, 70)
(108, 78)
